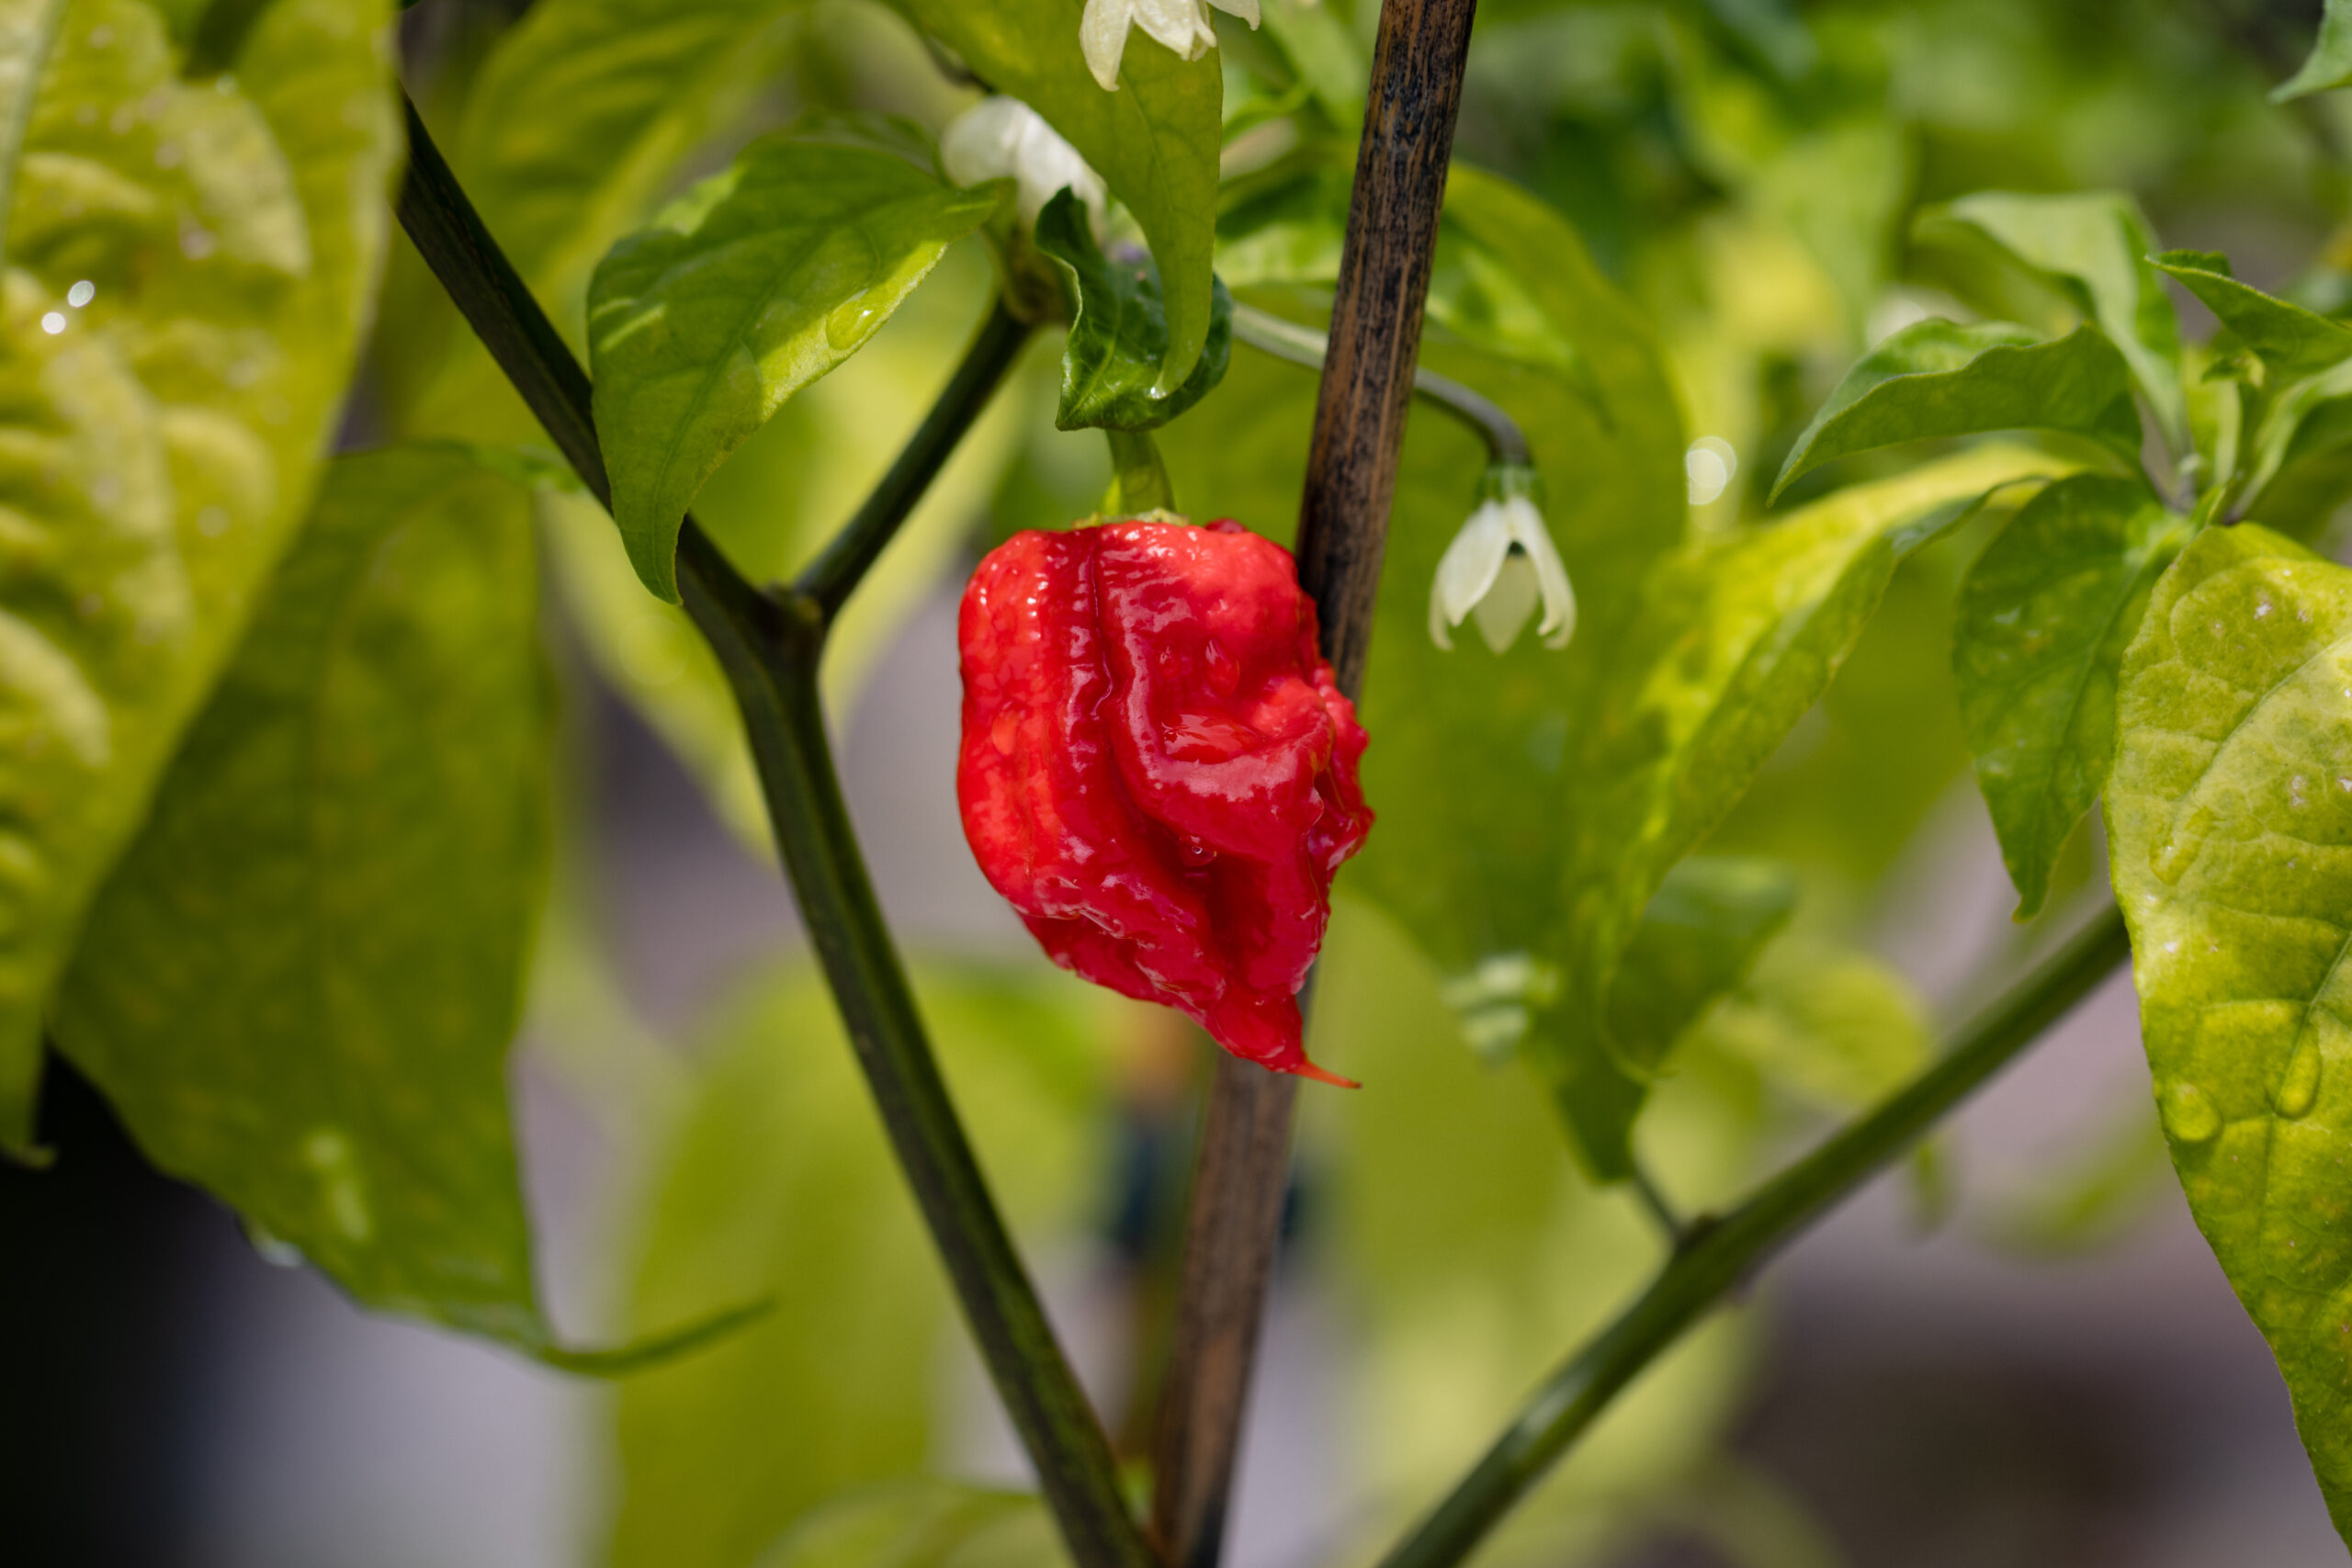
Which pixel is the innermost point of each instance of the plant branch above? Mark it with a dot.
(1233, 1224)
(831, 577)
(1506, 442)
(769, 644)
(1716, 1256)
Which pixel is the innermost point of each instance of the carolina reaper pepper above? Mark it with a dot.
(1158, 768)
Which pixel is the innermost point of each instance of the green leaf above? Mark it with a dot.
(162, 438)
(1154, 141)
(2292, 342)
(1327, 55)
(2044, 616)
(1118, 330)
(921, 1523)
(300, 984)
(777, 1180)
(2227, 816)
(2329, 63)
(750, 286)
(1737, 637)
(1935, 380)
(2095, 247)
(1697, 941)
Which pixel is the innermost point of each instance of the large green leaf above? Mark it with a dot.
(2228, 815)
(2330, 61)
(1118, 330)
(2291, 341)
(750, 286)
(159, 437)
(300, 983)
(778, 1179)
(1936, 379)
(2095, 246)
(921, 1524)
(1154, 141)
(1737, 637)
(2044, 616)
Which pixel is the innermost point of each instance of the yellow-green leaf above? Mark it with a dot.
(188, 264)
(2229, 819)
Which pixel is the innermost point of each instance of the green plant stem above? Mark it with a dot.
(834, 574)
(769, 644)
(1506, 442)
(1716, 1256)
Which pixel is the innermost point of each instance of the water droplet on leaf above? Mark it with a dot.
(851, 324)
(2298, 1086)
(2187, 1115)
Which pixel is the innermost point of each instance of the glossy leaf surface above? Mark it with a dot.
(2044, 616)
(162, 435)
(1936, 379)
(2292, 341)
(2229, 821)
(2095, 246)
(777, 1180)
(1737, 637)
(1118, 331)
(298, 986)
(921, 1524)
(753, 284)
(1154, 141)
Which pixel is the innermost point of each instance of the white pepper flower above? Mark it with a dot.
(1181, 24)
(1499, 568)
(1001, 138)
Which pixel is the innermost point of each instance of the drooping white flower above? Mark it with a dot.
(1000, 137)
(1181, 24)
(1499, 568)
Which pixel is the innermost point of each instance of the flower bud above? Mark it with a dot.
(1499, 568)
(1002, 137)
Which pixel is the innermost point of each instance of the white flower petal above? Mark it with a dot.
(1527, 531)
(1181, 24)
(1505, 609)
(1467, 570)
(1002, 137)
(1102, 37)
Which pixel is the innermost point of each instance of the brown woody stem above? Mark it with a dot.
(1235, 1219)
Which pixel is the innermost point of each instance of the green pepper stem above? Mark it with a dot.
(1270, 334)
(1716, 1256)
(769, 644)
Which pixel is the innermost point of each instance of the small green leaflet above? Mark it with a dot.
(2290, 341)
(1697, 941)
(748, 287)
(2228, 815)
(2043, 618)
(1154, 141)
(1934, 379)
(186, 276)
(1737, 638)
(924, 1523)
(2330, 63)
(1118, 331)
(2095, 246)
(1835, 1027)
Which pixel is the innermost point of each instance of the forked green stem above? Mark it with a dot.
(1716, 1256)
(769, 644)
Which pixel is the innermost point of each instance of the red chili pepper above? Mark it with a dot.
(1157, 769)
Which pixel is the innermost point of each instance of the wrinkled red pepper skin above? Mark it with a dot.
(1157, 769)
